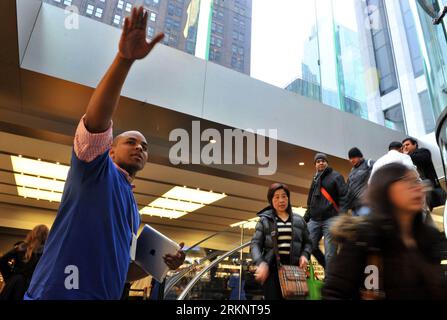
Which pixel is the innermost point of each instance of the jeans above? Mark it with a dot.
(317, 230)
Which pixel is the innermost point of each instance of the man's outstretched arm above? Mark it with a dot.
(133, 46)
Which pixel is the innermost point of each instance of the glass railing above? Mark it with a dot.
(238, 284)
(203, 253)
(441, 138)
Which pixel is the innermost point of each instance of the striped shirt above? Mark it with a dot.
(284, 239)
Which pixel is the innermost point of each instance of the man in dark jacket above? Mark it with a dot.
(327, 195)
(357, 181)
(422, 160)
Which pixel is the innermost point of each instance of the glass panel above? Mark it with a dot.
(436, 67)
(349, 22)
(413, 42)
(427, 112)
(222, 282)
(394, 118)
(338, 52)
(215, 283)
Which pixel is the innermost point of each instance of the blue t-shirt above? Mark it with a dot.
(92, 232)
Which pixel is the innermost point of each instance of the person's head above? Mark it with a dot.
(35, 239)
(396, 146)
(409, 145)
(396, 190)
(130, 151)
(278, 197)
(355, 156)
(321, 162)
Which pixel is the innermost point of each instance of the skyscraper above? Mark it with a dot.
(229, 38)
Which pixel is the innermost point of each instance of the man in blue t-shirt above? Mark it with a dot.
(88, 252)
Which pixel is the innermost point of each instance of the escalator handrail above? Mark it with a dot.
(177, 277)
(192, 283)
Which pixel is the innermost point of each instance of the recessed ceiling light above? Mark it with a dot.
(213, 141)
(39, 168)
(39, 179)
(299, 210)
(163, 213)
(301, 164)
(248, 224)
(180, 199)
(39, 194)
(39, 183)
(175, 205)
(197, 196)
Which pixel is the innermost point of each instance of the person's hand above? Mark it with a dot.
(176, 260)
(262, 272)
(303, 262)
(133, 44)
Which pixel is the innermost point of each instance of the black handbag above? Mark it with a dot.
(437, 197)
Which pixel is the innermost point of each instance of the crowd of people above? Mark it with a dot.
(379, 242)
(377, 218)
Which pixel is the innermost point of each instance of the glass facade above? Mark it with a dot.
(343, 53)
(412, 39)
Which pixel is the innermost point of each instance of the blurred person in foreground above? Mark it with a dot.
(17, 265)
(294, 243)
(389, 254)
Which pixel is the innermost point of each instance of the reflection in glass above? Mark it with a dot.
(394, 118)
(338, 52)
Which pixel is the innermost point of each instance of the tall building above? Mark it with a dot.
(230, 42)
(229, 38)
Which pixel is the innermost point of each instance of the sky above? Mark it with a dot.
(279, 31)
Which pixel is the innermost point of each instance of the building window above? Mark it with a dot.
(171, 9)
(150, 32)
(178, 11)
(153, 16)
(394, 118)
(427, 112)
(128, 7)
(117, 19)
(67, 2)
(190, 47)
(98, 13)
(412, 39)
(382, 47)
(120, 4)
(90, 9)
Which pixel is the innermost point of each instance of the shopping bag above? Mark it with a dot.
(314, 285)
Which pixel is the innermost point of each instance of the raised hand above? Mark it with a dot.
(133, 44)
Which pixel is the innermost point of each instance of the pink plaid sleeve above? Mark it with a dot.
(88, 146)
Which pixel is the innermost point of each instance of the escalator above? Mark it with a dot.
(219, 275)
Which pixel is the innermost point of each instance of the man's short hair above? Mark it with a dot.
(412, 140)
(395, 145)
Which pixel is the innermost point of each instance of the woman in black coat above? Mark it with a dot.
(17, 265)
(390, 254)
(294, 242)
